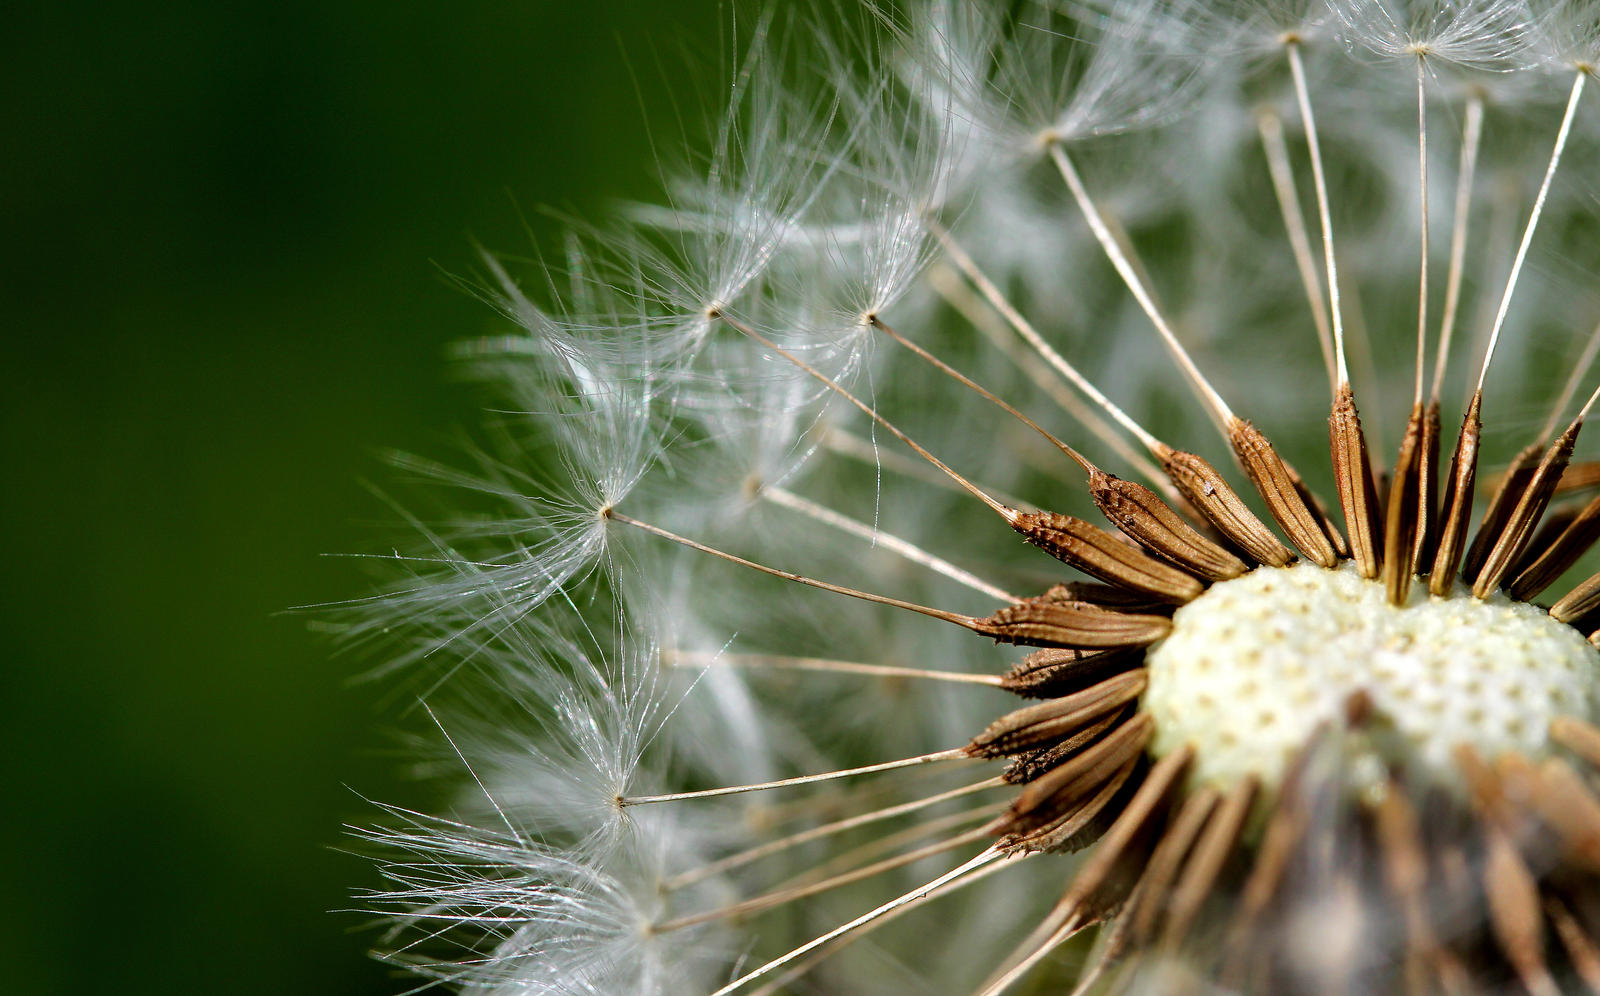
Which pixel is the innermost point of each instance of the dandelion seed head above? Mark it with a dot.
(1566, 36)
(1481, 34)
(933, 484)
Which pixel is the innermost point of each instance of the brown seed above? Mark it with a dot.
(1107, 595)
(1525, 516)
(1580, 477)
(1053, 672)
(1154, 891)
(1341, 549)
(1556, 519)
(1502, 504)
(1096, 883)
(1035, 763)
(1456, 514)
(1352, 472)
(1577, 736)
(1141, 514)
(1077, 827)
(1515, 913)
(1071, 624)
(1574, 541)
(1284, 831)
(1484, 786)
(1032, 725)
(1427, 492)
(1581, 949)
(1280, 842)
(1063, 789)
(1272, 479)
(1110, 945)
(1400, 524)
(1405, 867)
(1565, 803)
(1578, 602)
(1209, 492)
(1094, 889)
(1104, 555)
(1211, 852)
(1076, 591)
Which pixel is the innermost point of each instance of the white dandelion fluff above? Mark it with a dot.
(1028, 321)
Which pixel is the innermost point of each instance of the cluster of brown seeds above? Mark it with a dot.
(1530, 829)
(1416, 883)
(1417, 889)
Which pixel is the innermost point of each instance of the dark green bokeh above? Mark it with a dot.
(220, 299)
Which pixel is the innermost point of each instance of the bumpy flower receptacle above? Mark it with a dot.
(1254, 665)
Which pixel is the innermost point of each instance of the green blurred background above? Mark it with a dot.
(224, 226)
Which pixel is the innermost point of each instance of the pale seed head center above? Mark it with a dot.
(1255, 665)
